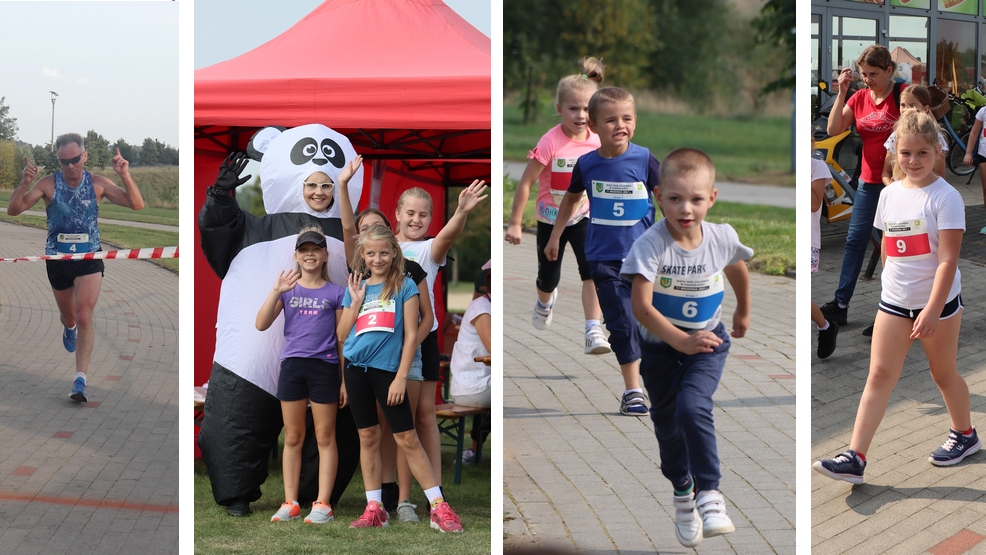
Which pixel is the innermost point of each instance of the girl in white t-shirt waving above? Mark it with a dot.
(923, 219)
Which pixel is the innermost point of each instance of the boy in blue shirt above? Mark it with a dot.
(678, 267)
(618, 178)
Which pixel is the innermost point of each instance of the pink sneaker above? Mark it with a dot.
(373, 517)
(444, 518)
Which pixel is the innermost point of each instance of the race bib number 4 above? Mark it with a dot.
(376, 316)
(907, 240)
(618, 204)
(72, 242)
(689, 303)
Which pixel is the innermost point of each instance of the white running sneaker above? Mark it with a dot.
(712, 508)
(595, 342)
(542, 316)
(687, 523)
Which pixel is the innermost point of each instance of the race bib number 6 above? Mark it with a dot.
(688, 302)
(907, 240)
(376, 316)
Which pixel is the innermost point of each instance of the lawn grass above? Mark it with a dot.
(217, 533)
(149, 215)
(768, 230)
(744, 149)
(123, 237)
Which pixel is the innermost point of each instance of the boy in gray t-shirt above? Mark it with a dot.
(678, 268)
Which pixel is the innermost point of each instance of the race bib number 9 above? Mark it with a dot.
(376, 316)
(618, 204)
(72, 243)
(907, 240)
(689, 303)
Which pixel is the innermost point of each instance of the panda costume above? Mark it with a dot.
(242, 417)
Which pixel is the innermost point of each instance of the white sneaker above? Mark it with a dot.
(712, 508)
(687, 523)
(595, 342)
(542, 317)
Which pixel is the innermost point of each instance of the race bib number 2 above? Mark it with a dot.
(376, 316)
(907, 239)
(688, 302)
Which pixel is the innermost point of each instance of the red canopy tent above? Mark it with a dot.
(408, 81)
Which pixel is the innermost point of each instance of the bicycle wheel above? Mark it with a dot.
(955, 155)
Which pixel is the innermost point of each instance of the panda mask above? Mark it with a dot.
(288, 156)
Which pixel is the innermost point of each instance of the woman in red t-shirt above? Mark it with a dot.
(874, 111)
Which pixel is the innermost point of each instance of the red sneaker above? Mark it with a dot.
(444, 518)
(373, 517)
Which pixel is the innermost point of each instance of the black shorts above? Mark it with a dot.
(549, 273)
(366, 387)
(62, 273)
(949, 310)
(308, 378)
(431, 358)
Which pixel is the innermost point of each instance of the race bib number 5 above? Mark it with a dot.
(688, 302)
(376, 316)
(618, 204)
(907, 239)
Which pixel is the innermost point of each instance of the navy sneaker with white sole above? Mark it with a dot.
(956, 448)
(846, 466)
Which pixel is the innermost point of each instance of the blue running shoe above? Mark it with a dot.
(955, 448)
(79, 391)
(68, 339)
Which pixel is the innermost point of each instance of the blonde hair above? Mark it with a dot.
(325, 265)
(684, 161)
(588, 78)
(395, 277)
(604, 95)
(913, 122)
(415, 192)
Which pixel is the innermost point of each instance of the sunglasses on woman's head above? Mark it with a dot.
(70, 161)
(325, 187)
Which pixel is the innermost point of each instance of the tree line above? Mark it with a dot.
(698, 51)
(12, 151)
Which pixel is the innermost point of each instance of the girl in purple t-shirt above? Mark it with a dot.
(310, 358)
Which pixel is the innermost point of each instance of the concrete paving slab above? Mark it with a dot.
(101, 476)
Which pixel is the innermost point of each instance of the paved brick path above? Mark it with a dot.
(100, 477)
(578, 474)
(906, 505)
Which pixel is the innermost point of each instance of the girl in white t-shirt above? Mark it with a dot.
(923, 219)
(414, 215)
(975, 151)
(828, 330)
(914, 97)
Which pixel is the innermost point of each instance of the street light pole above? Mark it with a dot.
(54, 95)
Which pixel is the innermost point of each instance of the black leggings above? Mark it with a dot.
(549, 273)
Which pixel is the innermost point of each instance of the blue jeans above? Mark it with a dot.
(680, 388)
(614, 300)
(860, 230)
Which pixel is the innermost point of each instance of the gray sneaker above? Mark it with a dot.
(321, 513)
(405, 512)
(541, 318)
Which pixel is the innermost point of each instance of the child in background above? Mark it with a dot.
(975, 151)
(677, 269)
(618, 179)
(557, 151)
(923, 219)
(914, 97)
(414, 215)
(309, 368)
(828, 330)
(379, 350)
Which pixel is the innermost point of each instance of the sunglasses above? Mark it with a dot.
(325, 187)
(70, 161)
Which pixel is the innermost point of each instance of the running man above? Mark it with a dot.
(72, 203)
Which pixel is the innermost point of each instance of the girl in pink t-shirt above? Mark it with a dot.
(558, 151)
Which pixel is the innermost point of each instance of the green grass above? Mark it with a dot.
(747, 149)
(120, 236)
(217, 533)
(768, 230)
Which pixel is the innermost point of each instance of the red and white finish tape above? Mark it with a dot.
(132, 254)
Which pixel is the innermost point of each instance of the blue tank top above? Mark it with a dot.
(72, 218)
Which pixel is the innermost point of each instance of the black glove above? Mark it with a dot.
(229, 173)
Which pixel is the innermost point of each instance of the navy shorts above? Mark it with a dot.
(309, 378)
(62, 273)
(947, 311)
(614, 300)
(366, 387)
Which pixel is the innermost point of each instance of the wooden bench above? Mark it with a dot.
(452, 422)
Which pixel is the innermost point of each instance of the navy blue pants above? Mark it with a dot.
(614, 300)
(680, 388)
